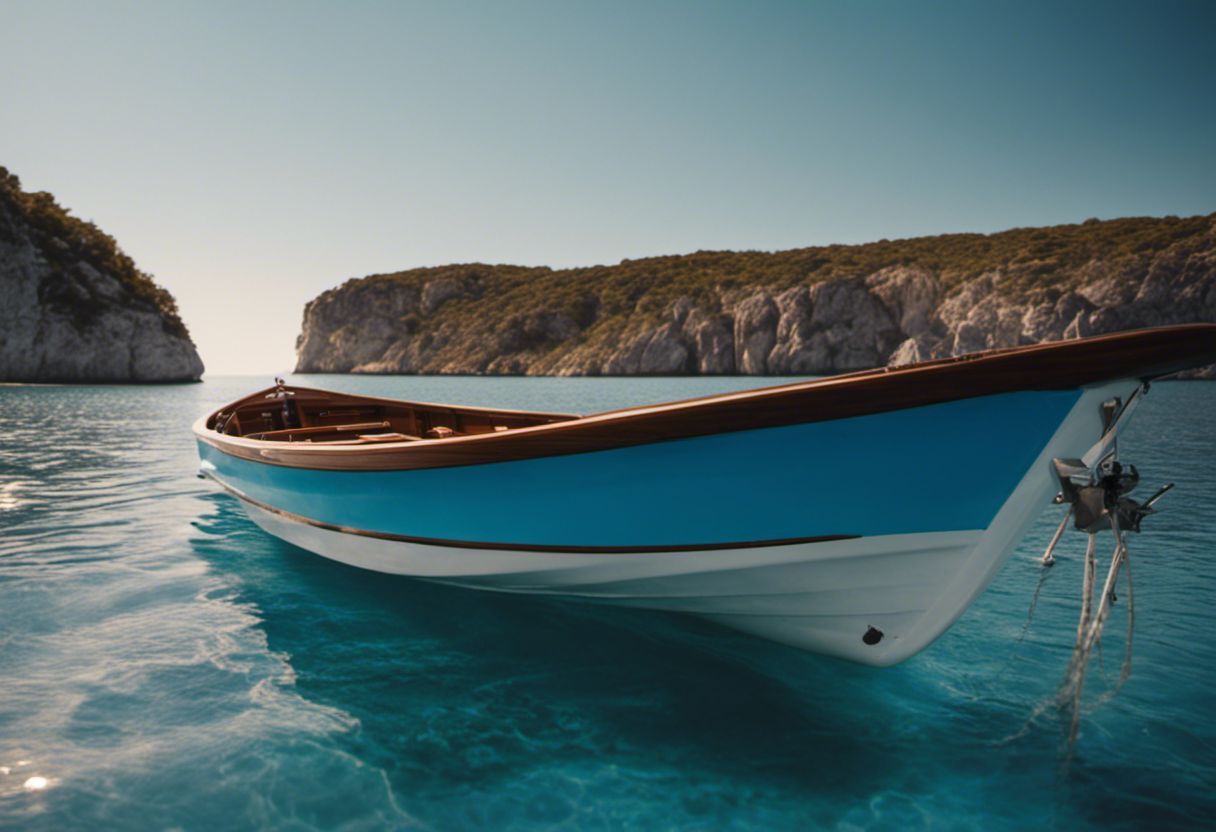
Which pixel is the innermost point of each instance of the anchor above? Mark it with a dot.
(1096, 489)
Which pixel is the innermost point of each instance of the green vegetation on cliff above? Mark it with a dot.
(1025, 257)
(65, 240)
(825, 308)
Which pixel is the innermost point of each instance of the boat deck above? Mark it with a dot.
(299, 414)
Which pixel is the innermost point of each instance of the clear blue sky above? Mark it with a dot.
(251, 155)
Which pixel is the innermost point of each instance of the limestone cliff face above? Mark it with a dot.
(812, 311)
(73, 308)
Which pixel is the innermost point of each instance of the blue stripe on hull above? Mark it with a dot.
(944, 467)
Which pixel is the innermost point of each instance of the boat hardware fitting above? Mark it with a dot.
(1096, 489)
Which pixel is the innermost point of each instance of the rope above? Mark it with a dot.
(1125, 671)
(1087, 593)
(1049, 557)
(1044, 574)
(1089, 632)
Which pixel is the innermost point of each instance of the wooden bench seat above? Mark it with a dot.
(290, 434)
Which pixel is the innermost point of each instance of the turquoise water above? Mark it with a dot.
(164, 664)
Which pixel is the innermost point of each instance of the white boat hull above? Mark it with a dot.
(817, 596)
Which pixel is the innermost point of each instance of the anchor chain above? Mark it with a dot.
(1096, 489)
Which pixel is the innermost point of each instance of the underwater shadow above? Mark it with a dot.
(454, 685)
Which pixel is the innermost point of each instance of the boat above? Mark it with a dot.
(856, 515)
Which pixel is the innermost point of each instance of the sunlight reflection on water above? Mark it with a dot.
(8, 495)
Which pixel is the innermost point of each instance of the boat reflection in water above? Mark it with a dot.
(857, 515)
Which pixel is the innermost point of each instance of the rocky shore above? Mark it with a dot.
(810, 311)
(73, 307)
(816, 310)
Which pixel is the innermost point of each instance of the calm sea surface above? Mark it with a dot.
(164, 664)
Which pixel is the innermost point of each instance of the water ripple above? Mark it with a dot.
(165, 664)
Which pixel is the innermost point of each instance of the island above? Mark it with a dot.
(74, 308)
(818, 310)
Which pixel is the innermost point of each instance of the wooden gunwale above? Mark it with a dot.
(1139, 354)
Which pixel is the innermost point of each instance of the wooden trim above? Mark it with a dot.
(290, 433)
(1140, 354)
(528, 547)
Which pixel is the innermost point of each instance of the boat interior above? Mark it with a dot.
(297, 414)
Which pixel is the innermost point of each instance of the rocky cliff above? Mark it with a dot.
(74, 308)
(808, 311)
